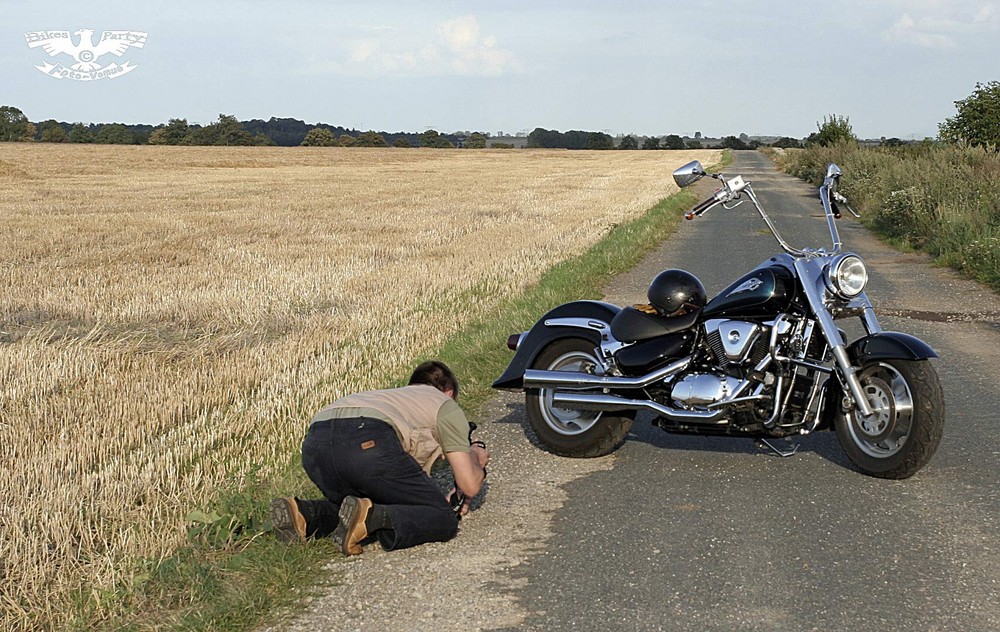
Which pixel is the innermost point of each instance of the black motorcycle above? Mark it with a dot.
(764, 359)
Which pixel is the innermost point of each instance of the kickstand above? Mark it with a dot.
(776, 449)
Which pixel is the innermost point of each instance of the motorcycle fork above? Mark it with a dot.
(812, 283)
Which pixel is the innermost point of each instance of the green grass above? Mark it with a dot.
(234, 575)
(940, 199)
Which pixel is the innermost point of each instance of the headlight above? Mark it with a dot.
(847, 276)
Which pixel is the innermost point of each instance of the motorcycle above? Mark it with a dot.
(764, 359)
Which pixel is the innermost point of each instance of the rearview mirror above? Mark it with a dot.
(688, 174)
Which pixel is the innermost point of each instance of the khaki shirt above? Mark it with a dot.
(427, 422)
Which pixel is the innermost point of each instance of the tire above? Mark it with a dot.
(573, 433)
(902, 435)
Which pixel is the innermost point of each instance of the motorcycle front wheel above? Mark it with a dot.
(571, 432)
(905, 428)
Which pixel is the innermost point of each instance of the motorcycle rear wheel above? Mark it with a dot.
(570, 432)
(908, 420)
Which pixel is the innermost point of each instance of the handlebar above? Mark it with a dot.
(828, 195)
(699, 210)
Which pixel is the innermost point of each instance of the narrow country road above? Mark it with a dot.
(687, 533)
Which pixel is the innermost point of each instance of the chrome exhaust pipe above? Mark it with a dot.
(604, 402)
(534, 378)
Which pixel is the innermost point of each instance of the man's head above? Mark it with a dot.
(438, 375)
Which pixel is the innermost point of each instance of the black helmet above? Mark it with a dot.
(674, 289)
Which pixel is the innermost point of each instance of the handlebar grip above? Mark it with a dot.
(701, 208)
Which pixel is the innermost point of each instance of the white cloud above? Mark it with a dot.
(941, 25)
(455, 47)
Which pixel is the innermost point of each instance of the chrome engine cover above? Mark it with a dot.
(702, 388)
(735, 337)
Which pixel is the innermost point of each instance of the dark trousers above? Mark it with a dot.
(362, 457)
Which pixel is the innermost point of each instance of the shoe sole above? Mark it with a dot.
(350, 516)
(285, 518)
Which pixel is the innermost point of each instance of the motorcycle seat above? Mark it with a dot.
(632, 325)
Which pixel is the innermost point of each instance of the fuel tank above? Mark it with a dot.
(760, 293)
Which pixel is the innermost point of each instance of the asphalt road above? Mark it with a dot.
(687, 533)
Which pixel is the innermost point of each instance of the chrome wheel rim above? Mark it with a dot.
(568, 421)
(883, 433)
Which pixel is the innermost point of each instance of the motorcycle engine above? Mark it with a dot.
(702, 388)
(732, 341)
(735, 347)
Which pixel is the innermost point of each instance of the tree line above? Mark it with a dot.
(977, 122)
(227, 130)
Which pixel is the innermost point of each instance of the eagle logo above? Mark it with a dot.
(86, 54)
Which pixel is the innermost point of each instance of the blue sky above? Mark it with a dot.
(648, 67)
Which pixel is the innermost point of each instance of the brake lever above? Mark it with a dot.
(840, 199)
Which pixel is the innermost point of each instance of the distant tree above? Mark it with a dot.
(891, 142)
(370, 139)
(229, 131)
(692, 144)
(628, 142)
(80, 134)
(158, 137)
(832, 131)
(429, 138)
(201, 135)
(476, 141)
(651, 142)
(52, 132)
(319, 137)
(114, 134)
(600, 140)
(673, 141)
(173, 133)
(346, 140)
(697, 135)
(401, 142)
(978, 119)
(731, 142)
(541, 137)
(786, 142)
(261, 139)
(14, 125)
(501, 146)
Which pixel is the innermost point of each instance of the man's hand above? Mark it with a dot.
(466, 502)
(469, 469)
(482, 454)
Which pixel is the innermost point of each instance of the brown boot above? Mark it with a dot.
(287, 521)
(353, 511)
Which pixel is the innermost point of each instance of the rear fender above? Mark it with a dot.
(542, 335)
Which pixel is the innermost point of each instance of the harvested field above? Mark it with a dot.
(170, 317)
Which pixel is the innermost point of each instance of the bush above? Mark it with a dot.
(943, 199)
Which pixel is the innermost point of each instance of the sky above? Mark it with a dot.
(648, 67)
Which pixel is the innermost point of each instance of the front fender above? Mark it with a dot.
(889, 345)
(542, 335)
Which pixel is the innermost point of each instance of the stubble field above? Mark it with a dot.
(170, 318)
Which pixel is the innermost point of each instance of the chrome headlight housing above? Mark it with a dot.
(847, 276)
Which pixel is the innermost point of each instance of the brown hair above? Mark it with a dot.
(437, 374)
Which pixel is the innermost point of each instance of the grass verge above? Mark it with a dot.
(940, 199)
(234, 575)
